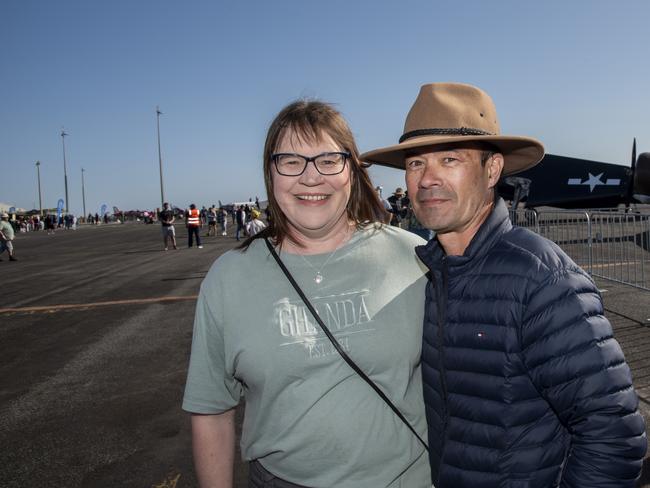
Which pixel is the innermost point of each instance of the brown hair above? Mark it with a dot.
(308, 119)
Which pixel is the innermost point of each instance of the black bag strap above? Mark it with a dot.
(338, 347)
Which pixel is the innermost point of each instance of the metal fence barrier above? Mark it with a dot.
(608, 244)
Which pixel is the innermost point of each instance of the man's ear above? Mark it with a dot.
(494, 168)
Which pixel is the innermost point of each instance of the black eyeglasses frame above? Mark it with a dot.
(346, 156)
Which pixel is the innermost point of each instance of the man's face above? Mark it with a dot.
(449, 187)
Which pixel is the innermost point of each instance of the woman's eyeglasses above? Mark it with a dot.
(328, 164)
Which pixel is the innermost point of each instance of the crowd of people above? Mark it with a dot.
(19, 224)
(245, 218)
(34, 223)
(51, 221)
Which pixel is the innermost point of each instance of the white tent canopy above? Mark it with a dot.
(4, 207)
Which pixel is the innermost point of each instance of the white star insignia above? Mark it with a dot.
(593, 181)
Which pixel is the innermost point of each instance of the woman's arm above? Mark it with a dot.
(213, 442)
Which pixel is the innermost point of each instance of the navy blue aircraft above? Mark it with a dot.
(560, 181)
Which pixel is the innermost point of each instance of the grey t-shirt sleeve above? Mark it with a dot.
(211, 387)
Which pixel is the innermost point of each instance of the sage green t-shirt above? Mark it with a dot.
(7, 230)
(309, 418)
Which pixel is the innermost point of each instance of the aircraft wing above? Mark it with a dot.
(564, 182)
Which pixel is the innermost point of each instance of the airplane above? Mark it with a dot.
(564, 182)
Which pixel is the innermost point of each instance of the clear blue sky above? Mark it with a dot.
(574, 74)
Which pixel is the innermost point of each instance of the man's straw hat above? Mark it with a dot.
(455, 112)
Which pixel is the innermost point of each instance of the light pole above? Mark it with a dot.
(65, 170)
(162, 192)
(40, 200)
(83, 192)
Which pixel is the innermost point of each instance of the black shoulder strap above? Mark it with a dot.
(337, 346)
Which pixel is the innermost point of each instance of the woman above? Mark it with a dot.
(310, 420)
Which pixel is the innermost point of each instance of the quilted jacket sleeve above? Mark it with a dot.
(579, 368)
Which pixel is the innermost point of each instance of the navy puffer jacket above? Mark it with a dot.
(524, 384)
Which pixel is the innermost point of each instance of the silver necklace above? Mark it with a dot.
(318, 277)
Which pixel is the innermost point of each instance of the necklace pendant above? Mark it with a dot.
(318, 278)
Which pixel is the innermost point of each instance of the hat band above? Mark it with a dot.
(462, 131)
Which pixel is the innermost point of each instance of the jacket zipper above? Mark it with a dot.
(442, 294)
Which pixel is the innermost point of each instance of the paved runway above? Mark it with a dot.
(95, 332)
(94, 361)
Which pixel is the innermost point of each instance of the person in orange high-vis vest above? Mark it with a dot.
(193, 223)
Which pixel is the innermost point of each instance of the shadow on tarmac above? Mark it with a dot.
(184, 279)
(148, 251)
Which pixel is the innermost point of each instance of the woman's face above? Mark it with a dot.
(314, 204)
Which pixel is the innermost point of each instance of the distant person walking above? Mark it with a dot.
(222, 220)
(212, 221)
(241, 220)
(50, 223)
(204, 215)
(193, 222)
(6, 237)
(166, 217)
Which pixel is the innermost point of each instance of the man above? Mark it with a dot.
(524, 384)
(222, 220)
(193, 223)
(212, 221)
(166, 217)
(399, 205)
(6, 236)
(241, 221)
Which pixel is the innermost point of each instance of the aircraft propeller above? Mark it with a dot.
(630, 186)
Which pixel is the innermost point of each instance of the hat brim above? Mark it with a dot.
(519, 153)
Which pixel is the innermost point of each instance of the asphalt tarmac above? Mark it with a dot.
(95, 333)
(94, 357)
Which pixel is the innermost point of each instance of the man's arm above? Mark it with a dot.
(213, 442)
(579, 368)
